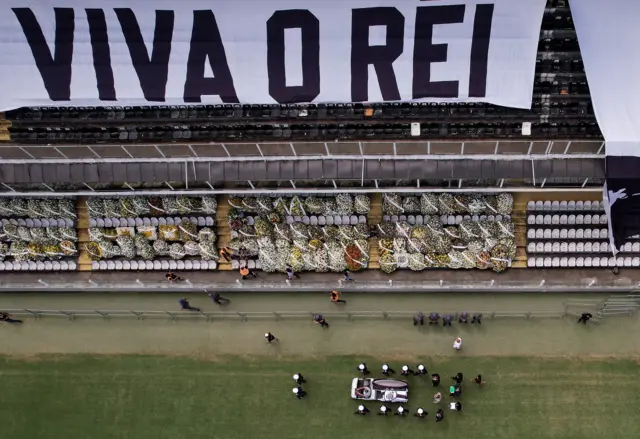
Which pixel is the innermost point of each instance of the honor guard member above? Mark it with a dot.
(362, 367)
(383, 410)
(421, 370)
(270, 337)
(406, 371)
(362, 410)
(420, 413)
(418, 319)
(386, 370)
(458, 377)
(400, 411)
(299, 379)
(299, 393)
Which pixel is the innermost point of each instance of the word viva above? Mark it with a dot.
(54, 59)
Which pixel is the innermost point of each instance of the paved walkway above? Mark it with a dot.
(519, 279)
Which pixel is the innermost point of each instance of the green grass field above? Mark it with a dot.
(250, 397)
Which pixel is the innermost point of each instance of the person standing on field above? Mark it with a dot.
(386, 370)
(299, 379)
(270, 337)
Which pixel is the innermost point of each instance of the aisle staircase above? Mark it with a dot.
(374, 217)
(4, 129)
(84, 262)
(519, 218)
(222, 229)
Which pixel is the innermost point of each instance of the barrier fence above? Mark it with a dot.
(275, 315)
(621, 285)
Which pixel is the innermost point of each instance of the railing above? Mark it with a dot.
(274, 315)
(621, 285)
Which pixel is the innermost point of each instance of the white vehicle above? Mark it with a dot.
(385, 390)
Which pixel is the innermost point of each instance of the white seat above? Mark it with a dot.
(531, 234)
(157, 265)
(547, 247)
(595, 205)
(555, 205)
(555, 234)
(95, 265)
(555, 247)
(411, 219)
(251, 264)
(635, 262)
(580, 262)
(531, 262)
(531, 219)
(555, 219)
(604, 233)
(209, 221)
(635, 247)
(164, 265)
(547, 220)
(173, 265)
(539, 205)
(587, 234)
(579, 233)
(604, 247)
(595, 233)
(322, 221)
(7, 266)
(579, 219)
(586, 205)
(539, 247)
(572, 247)
(139, 222)
(547, 262)
(329, 220)
(539, 233)
(313, 220)
(353, 219)
(72, 265)
(531, 205)
(564, 262)
(539, 262)
(17, 266)
(111, 265)
(188, 265)
(196, 264)
(571, 234)
(103, 265)
(297, 219)
(563, 205)
(386, 218)
(134, 265)
(126, 265)
(564, 247)
(401, 218)
(162, 221)
(363, 219)
(170, 221)
(555, 262)
(619, 261)
(531, 247)
(595, 247)
(571, 205)
(194, 220)
(148, 265)
(627, 261)
(235, 264)
(579, 205)
(458, 219)
(627, 247)
(563, 219)
(580, 247)
(180, 264)
(588, 219)
(587, 261)
(572, 262)
(212, 265)
(154, 221)
(132, 222)
(92, 222)
(119, 265)
(571, 220)
(546, 233)
(337, 220)
(604, 261)
(108, 222)
(547, 205)
(612, 262)
(588, 247)
(563, 234)
(595, 262)
(539, 219)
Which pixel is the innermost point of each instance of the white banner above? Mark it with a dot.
(169, 52)
(609, 37)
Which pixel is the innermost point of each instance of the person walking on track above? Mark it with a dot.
(218, 299)
(186, 306)
(319, 319)
(585, 317)
(335, 297)
(290, 273)
(6, 317)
